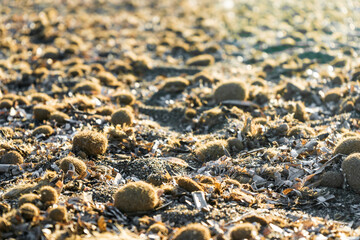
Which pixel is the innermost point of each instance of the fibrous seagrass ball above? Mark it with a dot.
(4, 225)
(188, 184)
(107, 78)
(243, 231)
(122, 116)
(58, 214)
(301, 131)
(42, 112)
(207, 180)
(124, 98)
(28, 198)
(346, 106)
(348, 145)
(203, 77)
(136, 197)
(59, 117)
(22, 101)
(235, 144)
(97, 67)
(351, 168)
(51, 52)
(211, 150)
(175, 84)
(333, 95)
(87, 87)
(158, 228)
(280, 129)
(233, 90)
(90, 142)
(29, 211)
(105, 110)
(332, 179)
(261, 121)
(45, 129)
(190, 113)
(79, 165)
(6, 132)
(349, 134)
(201, 60)
(12, 157)
(40, 97)
(194, 231)
(255, 218)
(212, 117)
(157, 179)
(6, 103)
(83, 102)
(298, 109)
(48, 195)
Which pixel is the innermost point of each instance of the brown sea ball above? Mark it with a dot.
(207, 180)
(332, 179)
(97, 67)
(10, 96)
(333, 95)
(298, 109)
(22, 101)
(48, 195)
(4, 225)
(12, 157)
(51, 52)
(141, 64)
(42, 112)
(201, 60)
(348, 145)
(261, 121)
(6, 103)
(212, 117)
(175, 84)
(211, 150)
(59, 117)
(136, 197)
(158, 228)
(351, 168)
(29, 211)
(203, 77)
(40, 97)
(6, 132)
(259, 82)
(243, 231)
(124, 98)
(90, 142)
(29, 198)
(188, 184)
(255, 218)
(280, 129)
(190, 113)
(45, 129)
(122, 116)
(58, 214)
(79, 165)
(232, 90)
(235, 144)
(339, 79)
(105, 110)
(301, 131)
(158, 179)
(87, 87)
(107, 78)
(193, 231)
